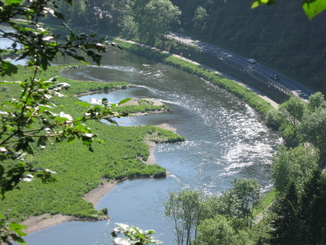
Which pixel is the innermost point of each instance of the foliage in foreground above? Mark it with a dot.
(311, 7)
(132, 236)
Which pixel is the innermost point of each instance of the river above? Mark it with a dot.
(225, 139)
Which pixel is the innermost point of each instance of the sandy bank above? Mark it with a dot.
(151, 145)
(36, 223)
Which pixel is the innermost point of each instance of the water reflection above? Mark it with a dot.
(225, 139)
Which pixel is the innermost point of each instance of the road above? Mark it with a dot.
(257, 70)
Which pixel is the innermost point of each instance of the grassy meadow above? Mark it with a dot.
(122, 155)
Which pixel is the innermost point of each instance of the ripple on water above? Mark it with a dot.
(116, 67)
(224, 139)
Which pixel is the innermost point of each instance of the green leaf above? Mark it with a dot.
(8, 68)
(13, 1)
(17, 228)
(10, 127)
(124, 101)
(261, 2)
(71, 36)
(2, 171)
(82, 128)
(84, 104)
(59, 15)
(314, 8)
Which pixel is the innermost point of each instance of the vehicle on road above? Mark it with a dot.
(252, 61)
(274, 77)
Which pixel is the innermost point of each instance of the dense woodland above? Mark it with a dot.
(279, 36)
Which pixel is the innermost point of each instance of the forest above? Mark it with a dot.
(294, 212)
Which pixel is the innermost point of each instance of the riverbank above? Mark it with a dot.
(37, 223)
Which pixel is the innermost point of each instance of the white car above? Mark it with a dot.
(252, 61)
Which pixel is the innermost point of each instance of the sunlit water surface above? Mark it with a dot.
(226, 139)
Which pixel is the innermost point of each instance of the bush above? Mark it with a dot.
(159, 174)
(103, 211)
(274, 119)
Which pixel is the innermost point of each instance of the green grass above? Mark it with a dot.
(121, 156)
(266, 202)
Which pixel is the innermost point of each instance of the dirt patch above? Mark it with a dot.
(36, 223)
(96, 194)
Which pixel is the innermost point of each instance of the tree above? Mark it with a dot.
(295, 108)
(106, 15)
(295, 164)
(311, 7)
(286, 223)
(184, 207)
(300, 215)
(154, 17)
(225, 204)
(313, 129)
(200, 18)
(316, 101)
(30, 121)
(219, 231)
(248, 192)
(313, 210)
(275, 119)
(215, 231)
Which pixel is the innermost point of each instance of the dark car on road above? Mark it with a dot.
(274, 77)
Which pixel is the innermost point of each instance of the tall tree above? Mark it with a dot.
(295, 108)
(295, 164)
(106, 15)
(220, 231)
(316, 102)
(215, 231)
(287, 223)
(184, 207)
(300, 215)
(313, 128)
(313, 210)
(154, 17)
(248, 192)
(199, 20)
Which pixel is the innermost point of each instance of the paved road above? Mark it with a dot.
(257, 70)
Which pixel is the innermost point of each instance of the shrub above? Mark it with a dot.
(274, 119)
